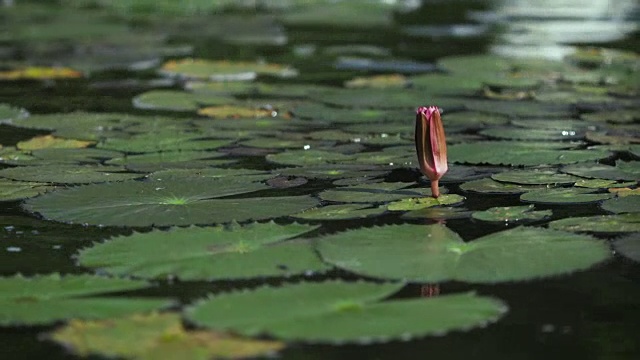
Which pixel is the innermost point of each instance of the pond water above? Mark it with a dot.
(214, 115)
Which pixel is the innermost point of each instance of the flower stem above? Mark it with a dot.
(435, 192)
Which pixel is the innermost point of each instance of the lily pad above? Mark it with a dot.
(208, 253)
(229, 111)
(433, 253)
(155, 142)
(340, 212)
(340, 312)
(82, 155)
(223, 70)
(619, 223)
(380, 99)
(490, 186)
(534, 177)
(68, 174)
(511, 214)
(373, 193)
(564, 196)
(619, 205)
(155, 336)
(165, 203)
(51, 142)
(40, 73)
(518, 153)
(424, 202)
(8, 113)
(307, 157)
(512, 133)
(174, 100)
(17, 190)
(45, 299)
(629, 246)
(438, 213)
(599, 171)
(156, 161)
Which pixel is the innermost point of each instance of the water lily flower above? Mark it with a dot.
(431, 146)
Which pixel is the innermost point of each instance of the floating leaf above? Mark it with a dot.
(40, 73)
(379, 99)
(68, 174)
(433, 253)
(624, 204)
(8, 113)
(82, 155)
(531, 134)
(228, 111)
(45, 299)
(438, 213)
(155, 142)
(155, 336)
(490, 186)
(51, 142)
(340, 312)
(599, 171)
(340, 212)
(564, 196)
(534, 177)
(232, 252)
(222, 70)
(518, 153)
(600, 223)
(378, 82)
(372, 193)
(376, 15)
(177, 100)
(424, 202)
(17, 190)
(164, 203)
(511, 214)
(629, 246)
(156, 161)
(307, 157)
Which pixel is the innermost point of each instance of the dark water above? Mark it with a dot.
(593, 314)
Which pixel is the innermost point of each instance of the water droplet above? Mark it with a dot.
(14, 249)
(307, 147)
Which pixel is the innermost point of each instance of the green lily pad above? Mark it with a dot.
(334, 171)
(164, 203)
(619, 205)
(222, 70)
(68, 174)
(424, 202)
(373, 193)
(518, 153)
(490, 186)
(16, 190)
(210, 173)
(155, 336)
(534, 177)
(45, 299)
(597, 183)
(307, 157)
(155, 142)
(629, 246)
(319, 112)
(438, 213)
(433, 253)
(616, 117)
(511, 214)
(156, 161)
(340, 212)
(177, 100)
(8, 113)
(208, 253)
(600, 223)
(380, 99)
(472, 119)
(519, 108)
(341, 312)
(83, 155)
(436, 84)
(81, 125)
(512, 133)
(375, 15)
(599, 171)
(564, 196)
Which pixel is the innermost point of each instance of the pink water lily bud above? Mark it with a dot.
(431, 145)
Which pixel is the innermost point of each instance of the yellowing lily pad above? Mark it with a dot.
(223, 70)
(229, 111)
(155, 336)
(52, 142)
(40, 73)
